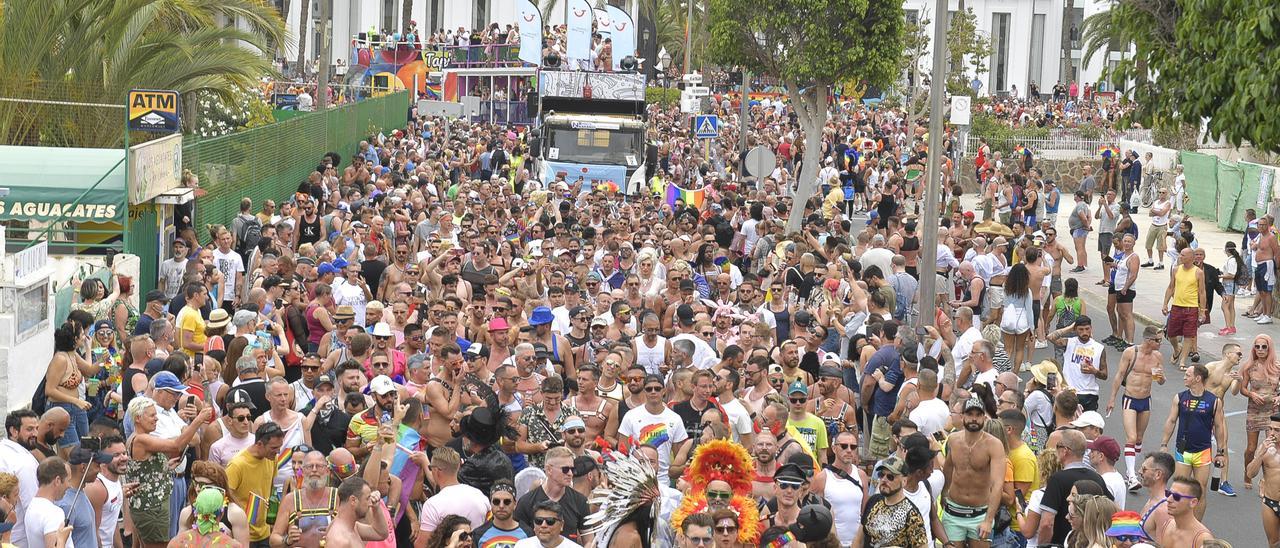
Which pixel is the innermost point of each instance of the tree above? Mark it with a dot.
(915, 49)
(1216, 61)
(95, 51)
(810, 45)
(965, 45)
(304, 17)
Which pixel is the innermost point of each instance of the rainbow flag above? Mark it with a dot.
(284, 458)
(1108, 150)
(782, 540)
(655, 435)
(691, 198)
(257, 509)
(435, 91)
(408, 441)
(1020, 149)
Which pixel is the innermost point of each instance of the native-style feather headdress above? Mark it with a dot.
(729, 462)
(631, 493)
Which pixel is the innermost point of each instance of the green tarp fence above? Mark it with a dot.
(270, 161)
(1221, 191)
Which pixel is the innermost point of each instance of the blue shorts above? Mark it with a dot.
(1141, 405)
(1260, 272)
(1079, 233)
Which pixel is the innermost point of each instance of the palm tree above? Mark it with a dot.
(304, 17)
(94, 51)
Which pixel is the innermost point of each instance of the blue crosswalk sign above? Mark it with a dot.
(706, 126)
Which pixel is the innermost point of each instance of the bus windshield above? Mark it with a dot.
(596, 146)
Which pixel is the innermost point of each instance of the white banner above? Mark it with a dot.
(154, 168)
(578, 46)
(530, 22)
(623, 31)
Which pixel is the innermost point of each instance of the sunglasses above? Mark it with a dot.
(719, 495)
(708, 333)
(701, 541)
(633, 378)
(847, 446)
(726, 529)
(799, 400)
(381, 364)
(1128, 538)
(790, 484)
(310, 367)
(888, 476)
(568, 470)
(503, 501)
(545, 521)
(241, 418)
(464, 536)
(653, 389)
(1260, 347)
(576, 431)
(1176, 496)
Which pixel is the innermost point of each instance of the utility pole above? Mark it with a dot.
(326, 40)
(744, 119)
(688, 35)
(933, 175)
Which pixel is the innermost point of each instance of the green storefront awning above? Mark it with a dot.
(44, 182)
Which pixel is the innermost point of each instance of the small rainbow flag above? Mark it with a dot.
(284, 458)
(435, 91)
(782, 540)
(513, 237)
(691, 198)
(257, 509)
(1020, 149)
(655, 435)
(408, 441)
(1106, 151)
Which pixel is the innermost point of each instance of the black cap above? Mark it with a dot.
(272, 281)
(813, 524)
(572, 288)
(911, 353)
(685, 314)
(804, 318)
(790, 471)
(573, 312)
(688, 285)
(240, 398)
(155, 295)
(79, 456)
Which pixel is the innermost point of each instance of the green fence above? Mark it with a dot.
(1221, 191)
(270, 161)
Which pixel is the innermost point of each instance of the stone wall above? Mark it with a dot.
(1067, 173)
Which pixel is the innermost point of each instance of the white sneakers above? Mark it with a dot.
(1263, 320)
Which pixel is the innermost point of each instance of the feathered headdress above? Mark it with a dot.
(632, 485)
(742, 505)
(721, 460)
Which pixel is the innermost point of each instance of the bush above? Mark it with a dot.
(661, 96)
(1000, 136)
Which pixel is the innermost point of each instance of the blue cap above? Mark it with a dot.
(339, 263)
(326, 268)
(168, 381)
(541, 315)
(798, 387)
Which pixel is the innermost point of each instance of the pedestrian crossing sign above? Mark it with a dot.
(706, 126)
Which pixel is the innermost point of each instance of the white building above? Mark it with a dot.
(351, 17)
(1027, 42)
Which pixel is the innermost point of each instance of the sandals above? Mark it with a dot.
(1195, 357)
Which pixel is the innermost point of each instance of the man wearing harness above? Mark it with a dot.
(595, 411)
(1198, 415)
(310, 507)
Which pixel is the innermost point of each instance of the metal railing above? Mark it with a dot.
(1061, 143)
(504, 112)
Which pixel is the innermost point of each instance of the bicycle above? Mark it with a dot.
(1150, 184)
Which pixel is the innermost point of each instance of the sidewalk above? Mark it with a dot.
(1151, 283)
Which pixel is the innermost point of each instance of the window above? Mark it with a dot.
(481, 11)
(435, 17)
(389, 16)
(999, 52)
(1035, 71)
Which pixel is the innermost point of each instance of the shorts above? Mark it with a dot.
(1055, 285)
(1088, 402)
(1228, 289)
(961, 522)
(1052, 218)
(1030, 221)
(1262, 276)
(1141, 405)
(1194, 459)
(1123, 297)
(995, 299)
(1104, 242)
(880, 434)
(1079, 233)
(1156, 236)
(152, 524)
(1183, 322)
(1035, 314)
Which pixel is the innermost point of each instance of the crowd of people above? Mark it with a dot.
(426, 345)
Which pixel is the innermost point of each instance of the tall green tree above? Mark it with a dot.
(1215, 61)
(94, 51)
(810, 45)
(965, 46)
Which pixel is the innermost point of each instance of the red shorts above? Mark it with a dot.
(1183, 322)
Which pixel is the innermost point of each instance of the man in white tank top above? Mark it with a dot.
(106, 492)
(844, 485)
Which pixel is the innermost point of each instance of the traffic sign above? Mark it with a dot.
(698, 91)
(153, 110)
(693, 78)
(706, 126)
(960, 105)
(760, 161)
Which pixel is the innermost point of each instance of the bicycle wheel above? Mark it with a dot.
(1148, 193)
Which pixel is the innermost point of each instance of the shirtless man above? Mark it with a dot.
(1156, 470)
(1036, 267)
(974, 470)
(1268, 460)
(1265, 252)
(1183, 530)
(596, 411)
(394, 274)
(359, 518)
(1223, 377)
(1139, 365)
(444, 394)
(764, 451)
(1056, 255)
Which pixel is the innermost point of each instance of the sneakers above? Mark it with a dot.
(1226, 331)
(1111, 340)
(1263, 320)
(1148, 264)
(1026, 366)
(1078, 269)
(1134, 484)
(1042, 344)
(1158, 267)
(1226, 489)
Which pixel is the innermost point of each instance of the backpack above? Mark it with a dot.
(248, 237)
(1067, 312)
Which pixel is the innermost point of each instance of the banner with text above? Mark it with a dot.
(155, 167)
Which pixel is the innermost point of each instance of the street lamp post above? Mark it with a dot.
(929, 240)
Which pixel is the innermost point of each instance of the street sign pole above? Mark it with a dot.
(929, 240)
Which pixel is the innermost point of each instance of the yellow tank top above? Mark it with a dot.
(1186, 292)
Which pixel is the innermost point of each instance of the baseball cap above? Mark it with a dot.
(575, 311)
(583, 465)
(798, 387)
(804, 318)
(168, 381)
(79, 456)
(892, 464)
(974, 402)
(476, 350)
(326, 268)
(599, 320)
(102, 324)
(155, 295)
(813, 524)
(382, 385)
(685, 314)
(1089, 418)
(687, 285)
(1106, 445)
(324, 378)
(240, 398)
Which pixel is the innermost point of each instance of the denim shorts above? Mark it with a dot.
(78, 428)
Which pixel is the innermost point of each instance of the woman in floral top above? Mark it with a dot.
(540, 424)
(148, 466)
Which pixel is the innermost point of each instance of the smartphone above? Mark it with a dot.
(1020, 499)
(1053, 380)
